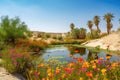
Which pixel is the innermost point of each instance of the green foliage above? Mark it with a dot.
(47, 35)
(88, 36)
(94, 35)
(54, 37)
(41, 34)
(11, 29)
(78, 33)
(60, 38)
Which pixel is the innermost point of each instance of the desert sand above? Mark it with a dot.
(112, 40)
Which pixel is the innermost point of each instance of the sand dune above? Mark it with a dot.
(113, 40)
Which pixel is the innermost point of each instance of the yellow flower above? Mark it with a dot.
(92, 61)
(85, 64)
(94, 66)
(63, 76)
(49, 70)
(81, 78)
(103, 71)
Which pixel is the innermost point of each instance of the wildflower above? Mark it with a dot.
(108, 46)
(63, 76)
(50, 75)
(80, 60)
(15, 63)
(57, 71)
(81, 78)
(108, 57)
(68, 70)
(82, 70)
(92, 61)
(96, 69)
(103, 71)
(85, 64)
(109, 68)
(49, 70)
(114, 64)
(94, 66)
(89, 74)
(40, 65)
(70, 64)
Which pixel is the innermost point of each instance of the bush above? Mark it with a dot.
(11, 29)
(33, 45)
(16, 60)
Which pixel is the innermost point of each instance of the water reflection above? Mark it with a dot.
(71, 52)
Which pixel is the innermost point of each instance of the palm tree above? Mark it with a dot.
(90, 24)
(72, 26)
(96, 22)
(108, 17)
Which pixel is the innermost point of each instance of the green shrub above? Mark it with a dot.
(11, 29)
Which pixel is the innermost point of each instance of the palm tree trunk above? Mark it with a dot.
(91, 33)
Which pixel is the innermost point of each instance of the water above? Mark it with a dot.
(63, 53)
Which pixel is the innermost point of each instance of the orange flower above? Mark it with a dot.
(57, 71)
(40, 65)
(114, 64)
(108, 57)
(50, 75)
(89, 74)
(70, 64)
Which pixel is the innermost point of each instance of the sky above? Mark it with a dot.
(57, 15)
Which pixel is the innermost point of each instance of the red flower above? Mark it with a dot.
(80, 59)
(108, 46)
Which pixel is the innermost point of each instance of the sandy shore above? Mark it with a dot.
(4, 75)
(112, 40)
